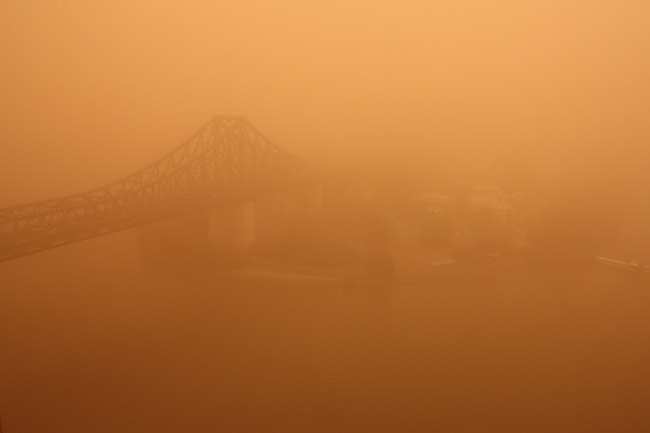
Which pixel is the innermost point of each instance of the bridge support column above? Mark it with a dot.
(233, 226)
(315, 200)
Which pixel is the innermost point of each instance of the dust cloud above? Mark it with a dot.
(470, 253)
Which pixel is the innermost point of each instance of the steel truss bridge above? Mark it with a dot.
(227, 160)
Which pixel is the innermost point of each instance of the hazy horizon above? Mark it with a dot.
(93, 92)
(461, 245)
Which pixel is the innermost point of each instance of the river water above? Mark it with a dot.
(91, 340)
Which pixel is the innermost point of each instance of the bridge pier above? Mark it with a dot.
(315, 200)
(233, 226)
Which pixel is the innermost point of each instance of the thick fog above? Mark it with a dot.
(469, 252)
(92, 91)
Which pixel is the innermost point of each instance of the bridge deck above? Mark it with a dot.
(226, 160)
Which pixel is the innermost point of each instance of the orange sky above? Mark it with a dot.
(94, 90)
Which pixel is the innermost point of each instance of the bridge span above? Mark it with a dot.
(227, 161)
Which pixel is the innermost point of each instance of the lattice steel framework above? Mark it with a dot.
(227, 160)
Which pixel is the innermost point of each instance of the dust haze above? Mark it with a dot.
(451, 234)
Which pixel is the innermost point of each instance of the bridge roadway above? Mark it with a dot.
(226, 161)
